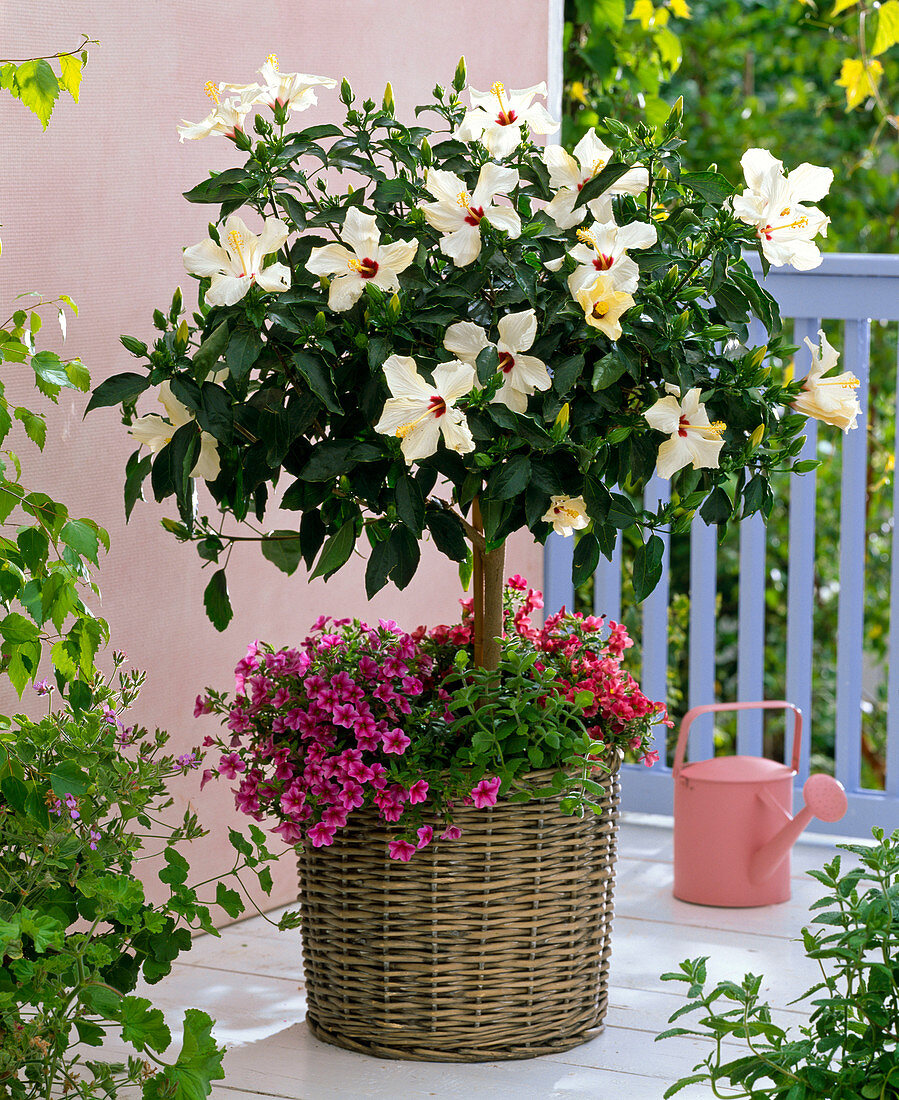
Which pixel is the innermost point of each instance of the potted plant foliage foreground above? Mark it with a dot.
(437, 330)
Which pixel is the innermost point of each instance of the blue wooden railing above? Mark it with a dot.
(855, 289)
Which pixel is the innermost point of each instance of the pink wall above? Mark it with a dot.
(93, 208)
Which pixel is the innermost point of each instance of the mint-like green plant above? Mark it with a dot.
(80, 801)
(849, 1050)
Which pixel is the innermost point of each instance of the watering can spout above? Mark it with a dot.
(825, 799)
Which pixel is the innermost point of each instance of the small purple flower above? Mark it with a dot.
(109, 714)
(42, 687)
(202, 706)
(95, 836)
(72, 806)
(187, 761)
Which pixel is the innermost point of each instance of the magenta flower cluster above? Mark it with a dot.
(320, 731)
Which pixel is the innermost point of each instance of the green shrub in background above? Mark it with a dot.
(752, 73)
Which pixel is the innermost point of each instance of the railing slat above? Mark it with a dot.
(851, 604)
(703, 590)
(654, 675)
(558, 588)
(801, 569)
(607, 585)
(892, 753)
(751, 634)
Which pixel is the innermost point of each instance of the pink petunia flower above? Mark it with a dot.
(649, 758)
(418, 792)
(401, 850)
(395, 741)
(451, 832)
(485, 793)
(321, 834)
(425, 836)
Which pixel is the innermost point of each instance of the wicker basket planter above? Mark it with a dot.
(492, 946)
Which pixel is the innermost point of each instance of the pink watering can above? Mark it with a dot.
(733, 819)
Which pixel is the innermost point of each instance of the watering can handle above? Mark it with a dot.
(765, 704)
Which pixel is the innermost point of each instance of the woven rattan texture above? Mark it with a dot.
(492, 946)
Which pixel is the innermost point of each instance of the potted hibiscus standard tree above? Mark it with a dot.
(439, 330)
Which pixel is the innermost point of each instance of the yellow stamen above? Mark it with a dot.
(849, 381)
(561, 509)
(464, 200)
(236, 240)
(587, 237)
(597, 167)
(272, 60)
(498, 88)
(785, 212)
(355, 265)
(800, 223)
(212, 90)
(404, 429)
(716, 428)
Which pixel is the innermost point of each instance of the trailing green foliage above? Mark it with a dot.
(80, 795)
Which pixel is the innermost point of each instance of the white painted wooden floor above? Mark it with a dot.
(251, 982)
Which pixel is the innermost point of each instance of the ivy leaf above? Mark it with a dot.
(228, 899)
(216, 601)
(36, 85)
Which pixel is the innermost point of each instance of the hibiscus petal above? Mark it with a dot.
(422, 440)
(174, 410)
(463, 246)
(809, 182)
(207, 466)
(510, 397)
(361, 233)
(540, 120)
(398, 411)
(404, 380)
(276, 277)
(505, 218)
(529, 373)
(561, 209)
(673, 456)
(454, 379)
(345, 291)
(664, 415)
(152, 431)
(637, 235)
(225, 290)
(517, 331)
(397, 256)
(465, 340)
(443, 218)
(456, 433)
(590, 151)
(758, 165)
(274, 234)
(331, 259)
(206, 258)
(444, 185)
(563, 168)
(704, 453)
(493, 179)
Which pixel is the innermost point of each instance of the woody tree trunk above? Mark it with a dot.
(487, 583)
